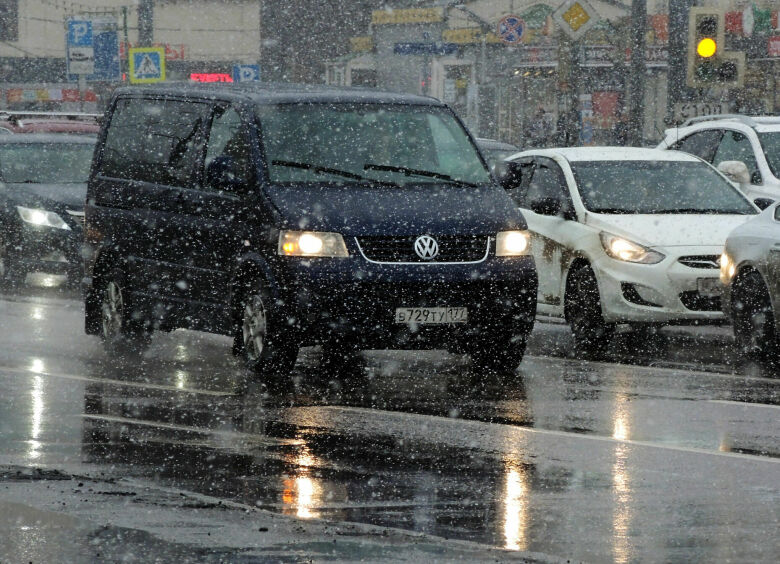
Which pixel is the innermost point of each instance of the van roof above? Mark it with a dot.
(280, 93)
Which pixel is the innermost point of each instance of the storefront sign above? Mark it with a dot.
(211, 77)
(173, 51)
(408, 16)
(14, 95)
(467, 35)
(536, 56)
(361, 44)
(687, 110)
(773, 48)
(425, 48)
(450, 91)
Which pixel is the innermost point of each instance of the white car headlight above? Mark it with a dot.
(727, 269)
(311, 244)
(625, 250)
(42, 218)
(513, 243)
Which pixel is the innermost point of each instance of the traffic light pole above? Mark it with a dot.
(678, 56)
(146, 23)
(637, 72)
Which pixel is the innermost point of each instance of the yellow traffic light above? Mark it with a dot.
(706, 47)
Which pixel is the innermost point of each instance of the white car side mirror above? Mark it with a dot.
(736, 171)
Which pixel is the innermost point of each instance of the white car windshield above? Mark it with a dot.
(45, 163)
(381, 143)
(656, 187)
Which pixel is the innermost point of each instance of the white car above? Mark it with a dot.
(624, 235)
(750, 270)
(753, 141)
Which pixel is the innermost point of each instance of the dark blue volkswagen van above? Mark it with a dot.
(287, 216)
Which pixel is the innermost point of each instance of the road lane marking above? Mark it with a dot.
(140, 385)
(531, 430)
(264, 440)
(745, 404)
(689, 371)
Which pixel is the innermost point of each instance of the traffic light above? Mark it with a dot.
(709, 64)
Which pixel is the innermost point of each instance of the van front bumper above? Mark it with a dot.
(333, 297)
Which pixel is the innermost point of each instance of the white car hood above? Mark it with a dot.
(669, 230)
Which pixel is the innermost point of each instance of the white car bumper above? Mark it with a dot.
(667, 292)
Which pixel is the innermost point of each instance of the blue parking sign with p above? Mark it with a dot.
(79, 33)
(246, 73)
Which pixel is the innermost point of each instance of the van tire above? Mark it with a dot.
(582, 307)
(121, 329)
(267, 348)
(499, 355)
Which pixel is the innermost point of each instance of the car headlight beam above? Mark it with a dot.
(513, 243)
(628, 251)
(42, 218)
(311, 244)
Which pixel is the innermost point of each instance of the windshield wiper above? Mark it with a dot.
(702, 211)
(614, 210)
(417, 172)
(317, 169)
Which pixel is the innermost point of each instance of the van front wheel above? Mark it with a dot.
(267, 349)
(122, 329)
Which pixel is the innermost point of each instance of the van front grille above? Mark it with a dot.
(452, 248)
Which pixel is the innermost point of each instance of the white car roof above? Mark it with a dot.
(574, 154)
(758, 123)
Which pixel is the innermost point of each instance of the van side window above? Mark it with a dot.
(229, 143)
(154, 141)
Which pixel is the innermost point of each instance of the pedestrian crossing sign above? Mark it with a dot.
(147, 64)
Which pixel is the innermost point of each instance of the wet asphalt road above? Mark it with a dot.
(661, 453)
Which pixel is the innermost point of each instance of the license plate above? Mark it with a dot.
(431, 315)
(709, 287)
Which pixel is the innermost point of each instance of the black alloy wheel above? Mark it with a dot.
(268, 349)
(754, 324)
(121, 331)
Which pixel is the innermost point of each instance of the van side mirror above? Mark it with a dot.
(511, 176)
(547, 206)
(763, 203)
(736, 171)
(223, 173)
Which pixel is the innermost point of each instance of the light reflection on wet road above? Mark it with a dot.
(615, 461)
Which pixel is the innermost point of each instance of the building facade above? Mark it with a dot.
(201, 37)
(505, 63)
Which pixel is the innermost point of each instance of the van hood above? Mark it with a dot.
(672, 230)
(71, 196)
(380, 210)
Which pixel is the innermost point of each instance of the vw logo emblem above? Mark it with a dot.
(426, 247)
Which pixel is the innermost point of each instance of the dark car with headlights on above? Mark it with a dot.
(750, 272)
(287, 216)
(42, 190)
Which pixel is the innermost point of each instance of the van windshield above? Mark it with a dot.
(377, 143)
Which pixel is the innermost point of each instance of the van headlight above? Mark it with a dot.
(625, 250)
(42, 218)
(311, 244)
(513, 243)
